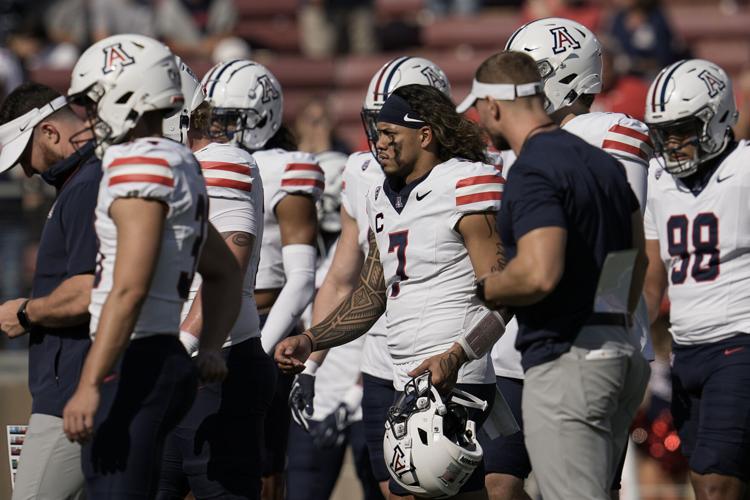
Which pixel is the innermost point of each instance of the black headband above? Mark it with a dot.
(396, 110)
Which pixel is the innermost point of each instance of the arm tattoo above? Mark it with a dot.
(500, 259)
(239, 238)
(357, 313)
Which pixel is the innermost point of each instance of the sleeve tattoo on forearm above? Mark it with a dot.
(356, 314)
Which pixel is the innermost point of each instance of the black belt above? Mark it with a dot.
(610, 319)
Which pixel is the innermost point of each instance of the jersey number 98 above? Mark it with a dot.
(705, 241)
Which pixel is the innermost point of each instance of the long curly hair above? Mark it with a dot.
(456, 137)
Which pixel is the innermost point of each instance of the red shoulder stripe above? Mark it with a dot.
(138, 160)
(154, 179)
(473, 198)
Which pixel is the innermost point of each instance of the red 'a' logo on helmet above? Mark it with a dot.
(398, 464)
(115, 55)
(562, 40)
(713, 83)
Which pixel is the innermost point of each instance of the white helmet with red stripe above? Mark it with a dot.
(177, 125)
(396, 73)
(693, 100)
(120, 78)
(246, 100)
(568, 55)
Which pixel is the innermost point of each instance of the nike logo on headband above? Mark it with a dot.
(413, 120)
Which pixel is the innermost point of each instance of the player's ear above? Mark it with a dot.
(425, 136)
(495, 111)
(49, 133)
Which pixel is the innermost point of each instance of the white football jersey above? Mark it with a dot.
(704, 242)
(154, 169)
(235, 193)
(623, 137)
(429, 278)
(361, 171)
(283, 172)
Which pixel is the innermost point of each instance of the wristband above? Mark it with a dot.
(311, 368)
(189, 341)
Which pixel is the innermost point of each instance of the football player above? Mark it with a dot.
(137, 381)
(224, 425)
(362, 170)
(697, 241)
(430, 250)
(247, 105)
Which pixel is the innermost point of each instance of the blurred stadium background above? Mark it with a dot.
(324, 53)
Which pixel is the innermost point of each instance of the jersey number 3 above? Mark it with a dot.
(705, 240)
(397, 242)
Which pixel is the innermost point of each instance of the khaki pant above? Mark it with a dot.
(577, 410)
(50, 466)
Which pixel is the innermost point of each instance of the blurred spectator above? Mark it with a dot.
(587, 13)
(331, 27)
(69, 22)
(193, 28)
(643, 32)
(742, 91)
(113, 17)
(11, 73)
(231, 48)
(447, 7)
(621, 93)
(314, 129)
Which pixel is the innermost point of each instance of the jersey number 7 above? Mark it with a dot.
(397, 242)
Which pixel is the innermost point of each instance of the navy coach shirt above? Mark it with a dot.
(67, 248)
(559, 180)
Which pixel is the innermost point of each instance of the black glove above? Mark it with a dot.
(301, 399)
(331, 431)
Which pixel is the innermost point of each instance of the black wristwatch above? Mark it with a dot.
(23, 319)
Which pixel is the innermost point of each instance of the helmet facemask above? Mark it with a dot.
(370, 123)
(670, 138)
(237, 125)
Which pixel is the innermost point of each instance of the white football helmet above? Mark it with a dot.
(430, 444)
(568, 55)
(392, 75)
(693, 100)
(246, 102)
(120, 78)
(177, 125)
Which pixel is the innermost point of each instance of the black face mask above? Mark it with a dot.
(58, 173)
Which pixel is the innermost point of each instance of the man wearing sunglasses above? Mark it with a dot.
(36, 132)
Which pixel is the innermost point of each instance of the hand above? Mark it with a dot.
(9, 318)
(292, 352)
(443, 367)
(211, 366)
(78, 415)
(330, 433)
(301, 399)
